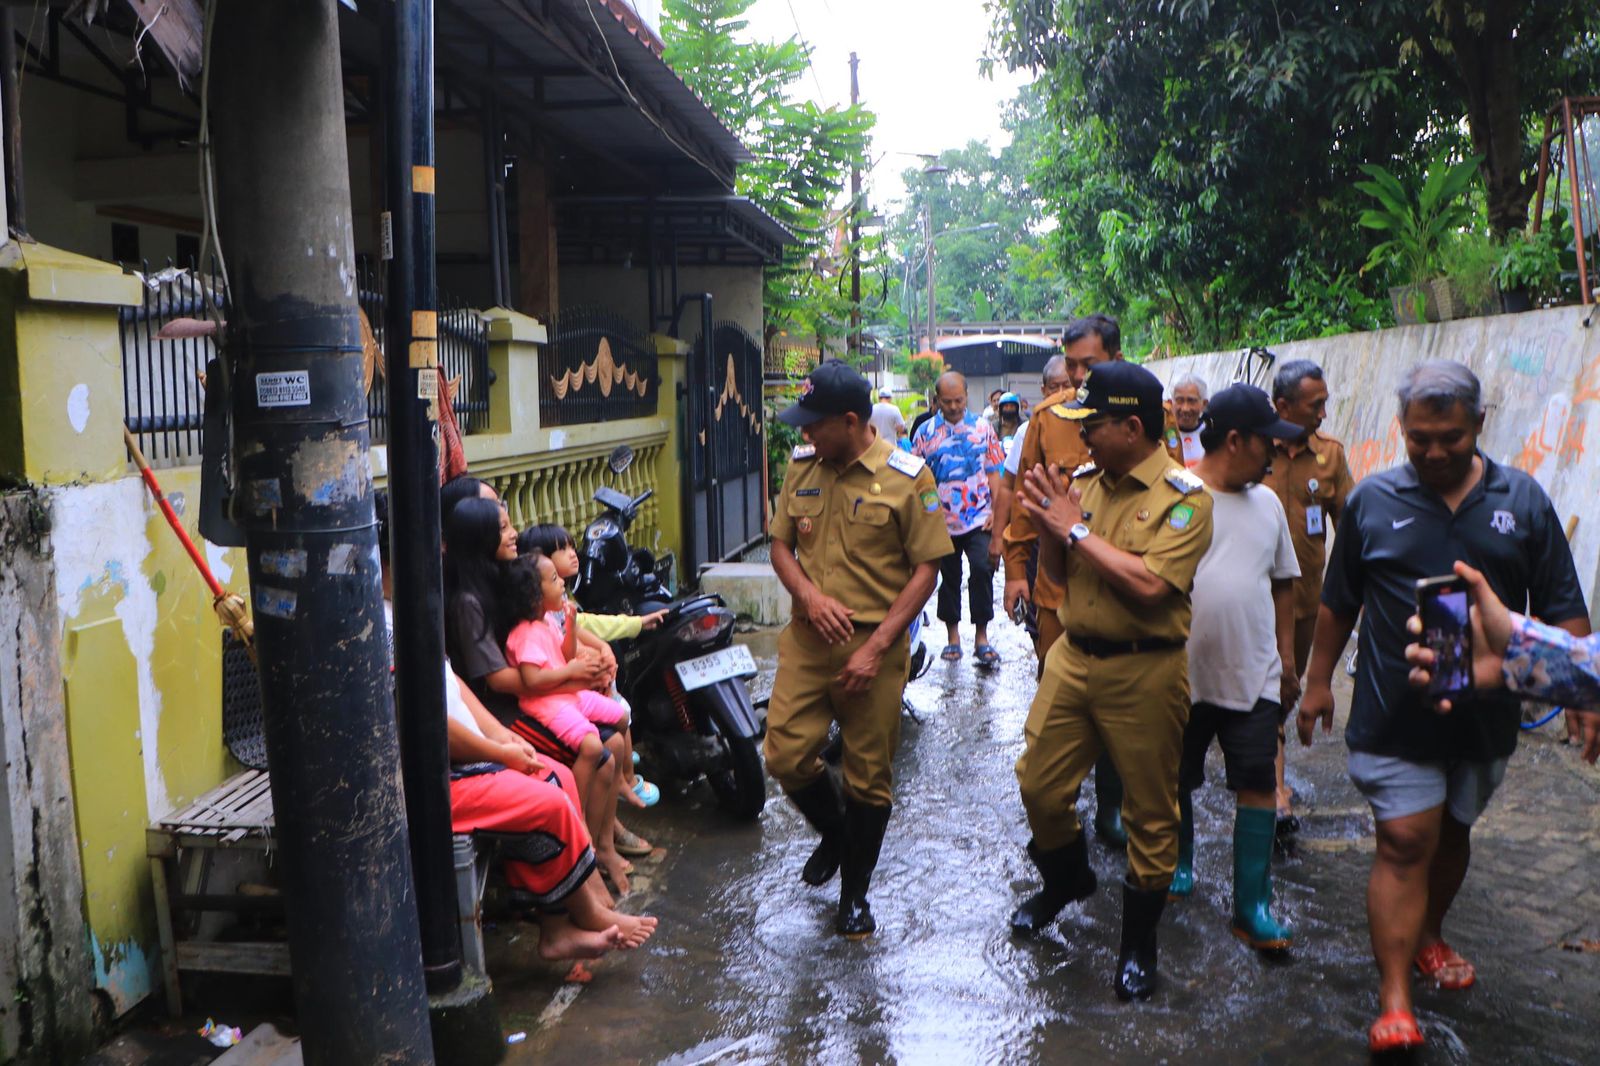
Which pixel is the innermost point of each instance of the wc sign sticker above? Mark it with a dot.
(284, 388)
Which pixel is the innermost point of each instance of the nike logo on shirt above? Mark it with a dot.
(1401, 523)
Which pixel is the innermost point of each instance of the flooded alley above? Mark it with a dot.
(746, 968)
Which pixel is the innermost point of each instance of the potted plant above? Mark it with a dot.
(1417, 220)
(1529, 269)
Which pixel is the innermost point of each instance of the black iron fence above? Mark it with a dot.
(162, 386)
(726, 444)
(596, 368)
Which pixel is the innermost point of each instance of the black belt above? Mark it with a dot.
(1104, 649)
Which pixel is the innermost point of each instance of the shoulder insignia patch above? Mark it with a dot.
(1185, 482)
(1085, 470)
(803, 451)
(1180, 516)
(1060, 410)
(908, 464)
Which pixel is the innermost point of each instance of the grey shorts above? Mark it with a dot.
(1397, 788)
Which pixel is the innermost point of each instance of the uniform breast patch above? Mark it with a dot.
(930, 501)
(803, 451)
(1084, 471)
(908, 464)
(1185, 482)
(1181, 516)
(808, 492)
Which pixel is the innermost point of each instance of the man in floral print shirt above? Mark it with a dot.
(966, 458)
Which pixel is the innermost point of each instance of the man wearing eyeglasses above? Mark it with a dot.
(1123, 536)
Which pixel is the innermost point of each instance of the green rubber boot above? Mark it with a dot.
(1253, 922)
(1108, 804)
(1182, 886)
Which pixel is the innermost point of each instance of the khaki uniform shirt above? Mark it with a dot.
(1053, 439)
(1317, 476)
(1157, 510)
(859, 532)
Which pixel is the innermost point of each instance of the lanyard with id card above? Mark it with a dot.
(1314, 522)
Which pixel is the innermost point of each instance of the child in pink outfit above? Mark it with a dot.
(570, 715)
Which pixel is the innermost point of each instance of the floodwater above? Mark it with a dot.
(746, 969)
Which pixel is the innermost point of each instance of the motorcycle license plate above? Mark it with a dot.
(732, 661)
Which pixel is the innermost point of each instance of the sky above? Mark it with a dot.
(919, 73)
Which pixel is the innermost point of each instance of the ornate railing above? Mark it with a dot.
(596, 368)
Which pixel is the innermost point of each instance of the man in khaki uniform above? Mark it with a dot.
(1312, 481)
(1124, 537)
(1053, 440)
(856, 539)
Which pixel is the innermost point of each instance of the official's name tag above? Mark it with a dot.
(1314, 520)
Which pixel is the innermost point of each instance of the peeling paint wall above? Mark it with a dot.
(1541, 383)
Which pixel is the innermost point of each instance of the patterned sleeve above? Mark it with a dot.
(1551, 665)
(994, 456)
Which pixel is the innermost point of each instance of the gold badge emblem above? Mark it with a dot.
(1143, 516)
(1321, 460)
(876, 488)
(805, 527)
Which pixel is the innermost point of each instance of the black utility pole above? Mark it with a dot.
(465, 1028)
(855, 229)
(305, 500)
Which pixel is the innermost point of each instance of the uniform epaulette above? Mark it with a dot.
(1184, 481)
(1084, 471)
(803, 451)
(908, 464)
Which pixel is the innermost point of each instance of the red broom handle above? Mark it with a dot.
(172, 516)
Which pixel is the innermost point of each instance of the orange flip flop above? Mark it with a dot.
(1445, 966)
(1394, 1030)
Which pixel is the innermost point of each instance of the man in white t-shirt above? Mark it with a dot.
(1241, 651)
(1188, 405)
(887, 419)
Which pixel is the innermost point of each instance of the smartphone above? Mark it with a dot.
(1442, 605)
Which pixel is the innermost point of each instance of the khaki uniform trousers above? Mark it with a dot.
(1135, 708)
(1304, 629)
(806, 698)
(1049, 626)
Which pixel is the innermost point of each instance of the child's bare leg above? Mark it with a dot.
(605, 843)
(622, 749)
(561, 938)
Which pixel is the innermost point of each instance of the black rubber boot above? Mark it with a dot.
(1136, 961)
(823, 807)
(1067, 879)
(1108, 804)
(864, 825)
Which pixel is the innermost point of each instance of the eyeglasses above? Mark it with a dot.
(1088, 427)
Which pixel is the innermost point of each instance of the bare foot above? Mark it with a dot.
(616, 868)
(560, 939)
(635, 929)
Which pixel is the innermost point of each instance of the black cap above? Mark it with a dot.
(833, 388)
(1247, 409)
(1117, 389)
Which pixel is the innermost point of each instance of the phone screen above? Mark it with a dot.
(1446, 633)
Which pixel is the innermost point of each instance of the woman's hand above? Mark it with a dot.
(1491, 632)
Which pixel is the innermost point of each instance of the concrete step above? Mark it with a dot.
(751, 590)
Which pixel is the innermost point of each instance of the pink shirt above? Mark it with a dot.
(536, 643)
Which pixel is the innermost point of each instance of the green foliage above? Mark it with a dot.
(1320, 306)
(924, 372)
(1531, 262)
(803, 154)
(1418, 219)
(781, 441)
(1469, 260)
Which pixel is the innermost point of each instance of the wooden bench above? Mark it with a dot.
(238, 815)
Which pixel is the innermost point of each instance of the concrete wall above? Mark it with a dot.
(738, 292)
(1541, 382)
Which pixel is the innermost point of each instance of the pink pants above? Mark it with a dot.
(555, 855)
(569, 717)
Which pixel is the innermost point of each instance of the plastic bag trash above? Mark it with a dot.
(516, 1038)
(221, 1035)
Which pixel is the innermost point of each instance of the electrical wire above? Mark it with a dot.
(1546, 720)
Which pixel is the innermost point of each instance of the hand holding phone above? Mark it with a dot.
(1442, 604)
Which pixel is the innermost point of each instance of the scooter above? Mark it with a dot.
(686, 680)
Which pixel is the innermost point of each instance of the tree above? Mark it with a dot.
(803, 153)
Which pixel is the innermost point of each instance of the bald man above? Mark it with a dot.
(965, 456)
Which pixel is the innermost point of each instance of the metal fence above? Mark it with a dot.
(596, 368)
(162, 386)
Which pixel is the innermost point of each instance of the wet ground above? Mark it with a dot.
(746, 969)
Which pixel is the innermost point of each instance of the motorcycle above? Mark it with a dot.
(686, 680)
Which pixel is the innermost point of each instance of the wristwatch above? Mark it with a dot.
(1077, 533)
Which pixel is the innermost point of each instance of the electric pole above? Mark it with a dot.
(304, 498)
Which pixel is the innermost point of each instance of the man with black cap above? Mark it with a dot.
(856, 539)
(1123, 535)
(1241, 653)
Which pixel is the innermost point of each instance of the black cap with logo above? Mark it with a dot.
(1247, 409)
(833, 388)
(1118, 389)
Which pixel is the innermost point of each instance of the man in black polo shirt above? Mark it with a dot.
(1428, 776)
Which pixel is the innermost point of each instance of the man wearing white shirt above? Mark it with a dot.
(1241, 651)
(1188, 404)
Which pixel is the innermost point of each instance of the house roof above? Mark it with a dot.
(693, 230)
